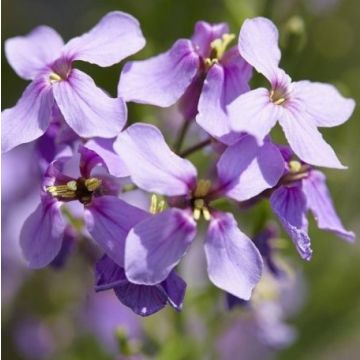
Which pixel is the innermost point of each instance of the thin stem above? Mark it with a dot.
(181, 136)
(195, 147)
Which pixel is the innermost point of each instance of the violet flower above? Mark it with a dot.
(301, 189)
(142, 299)
(156, 245)
(42, 57)
(199, 72)
(300, 107)
(107, 218)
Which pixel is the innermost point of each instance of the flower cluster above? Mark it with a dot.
(87, 158)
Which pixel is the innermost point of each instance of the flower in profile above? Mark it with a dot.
(107, 218)
(142, 299)
(157, 244)
(201, 73)
(300, 107)
(42, 57)
(304, 188)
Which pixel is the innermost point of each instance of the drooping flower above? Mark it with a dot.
(199, 72)
(42, 57)
(300, 107)
(301, 189)
(107, 218)
(142, 299)
(157, 244)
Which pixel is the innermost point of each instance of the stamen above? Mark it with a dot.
(54, 78)
(277, 96)
(156, 206)
(202, 188)
(92, 184)
(64, 191)
(294, 166)
(201, 209)
(218, 47)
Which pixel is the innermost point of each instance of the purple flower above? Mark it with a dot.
(199, 72)
(107, 218)
(142, 299)
(42, 57)
(156, 245)
(303, 188)
(300, 107)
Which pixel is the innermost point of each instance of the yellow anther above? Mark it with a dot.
(202, 188)
(201, 209)
(219, 45)
(206, 214)
(71, 185)
(295, 166)
(61, 190)
(196, 214)
(161, 205)
(92, 184)
(54, 78)
(277, 96)
(156, 206)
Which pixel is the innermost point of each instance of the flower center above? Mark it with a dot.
(80, 189)
(297, 171)
(60, 70)
(218, 48)
(278, 96)
(199, 203)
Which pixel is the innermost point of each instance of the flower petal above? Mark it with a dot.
(160, 80)
(151, 163)
(246, 179)
(234, 263)
(29, 118)
(108, 220)
(28, 55)
(323, 103)
(306, 141)
(320, 203)
(87, 109)
(116, 36)
(42, 233)
(289, 205)
(174, 287)
(89, 159)
(254, 113)
(258, 45)
(155, 246)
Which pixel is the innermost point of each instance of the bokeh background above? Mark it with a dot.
(53, 314)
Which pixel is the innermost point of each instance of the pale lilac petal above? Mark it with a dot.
(151, 163)
(306, 141)
(234, 263)
(161, 80)
(108, 220)
(28, 55)
(89, 160)
(289, 205)
(29, 118)
(254, 113)
(42, 233)
(258, 45)
(155, 246)
(104, 148)
(205, 34)
(87, 109)
(116, 36)
(246, 180)
(319, 202)
(323, 103)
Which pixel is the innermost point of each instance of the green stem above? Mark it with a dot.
(181, 136)
(195, 148)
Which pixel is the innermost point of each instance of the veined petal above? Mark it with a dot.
(89, 159)
(28, 55)
(151, 163)
(234, 263)
(254, 113)
(42, 233)
(325, 106)
(174, 287)
(258, 45)
(306, 141)
(155, 246)
(116, 36)
(246, 180)
(29, 118)
(108, 220)
(319, 202)
(289, 205)
(160, 80)
(87, 109)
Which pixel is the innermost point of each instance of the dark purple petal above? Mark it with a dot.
(155, 246)
(116, 36)
(234, 263)
(174, 287)
(319, 202)
(29, 118)
(108, 274)
(160, 80)
(87, 109)
(233, 301)
(89, 159)
(42, 234)
(30, 54)
(67, 248)
(108, 220)
(153, 166)
(289, 205)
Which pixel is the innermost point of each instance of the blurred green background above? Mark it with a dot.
(327, 50)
